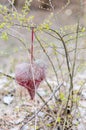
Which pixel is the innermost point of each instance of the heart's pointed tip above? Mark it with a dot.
(31, 98)
(31, 93)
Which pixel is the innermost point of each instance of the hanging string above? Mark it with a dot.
(32, 40)
(35, 87)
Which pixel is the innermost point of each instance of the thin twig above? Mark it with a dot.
(68, 66)
(47, 57)
(28, 120)
(6, 75)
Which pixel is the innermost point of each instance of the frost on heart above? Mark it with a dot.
(30, 75)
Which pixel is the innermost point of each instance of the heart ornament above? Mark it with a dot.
(30, 75)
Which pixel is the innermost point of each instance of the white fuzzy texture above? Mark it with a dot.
(27, 71)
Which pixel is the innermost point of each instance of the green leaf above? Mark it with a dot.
(83, 29)
(4, 36)
(58, 119)
(2, 25)
(49, 125)
(62, 96)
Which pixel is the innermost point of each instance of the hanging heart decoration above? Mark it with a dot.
(30, 75)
